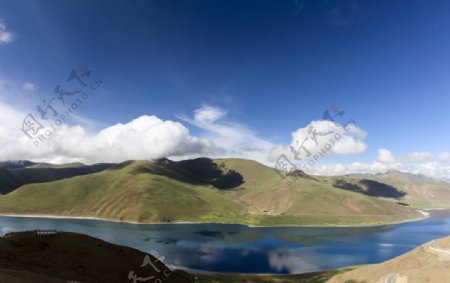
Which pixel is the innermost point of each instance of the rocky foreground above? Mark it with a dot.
(50, 256)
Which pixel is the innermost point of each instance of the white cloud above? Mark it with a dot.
(17, 92)
(207, 115)
(291, 261)
(28, 87)
(385, 156)
(416, 157)
(146, 137)
(5, 36)
(322, 138)
(149, 137)
(444, 156)
(9, 117)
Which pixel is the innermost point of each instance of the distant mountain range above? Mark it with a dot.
(220, 190)
(16, 164)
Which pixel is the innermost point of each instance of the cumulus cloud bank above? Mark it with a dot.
(146, 137)
(318, 139)
(150, 137)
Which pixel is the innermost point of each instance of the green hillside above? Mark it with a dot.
(415, 190)
(204, 190)
(11, 179)
(428, 263)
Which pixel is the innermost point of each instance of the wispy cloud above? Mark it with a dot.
(386, 156)
(299, 5)
(5, 35)
(238, 139)
(28, 87)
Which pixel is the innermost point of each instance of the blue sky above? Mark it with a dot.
(270, 68)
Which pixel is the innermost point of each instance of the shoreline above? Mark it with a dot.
(206, 273)
(213, 273)
(424, 213)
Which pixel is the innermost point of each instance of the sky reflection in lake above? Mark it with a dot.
(236, 248)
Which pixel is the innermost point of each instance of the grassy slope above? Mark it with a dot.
(417, 266)
(313, 277)
(269, 200)
(424, 194)
(117, 194)
(132, 192)
(11, 179)
(421, 192)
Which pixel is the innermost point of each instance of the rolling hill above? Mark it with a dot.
(414, 190)
(16, 176)
(205, 190)
(427, 263)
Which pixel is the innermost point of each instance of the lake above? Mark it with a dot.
(242, 249)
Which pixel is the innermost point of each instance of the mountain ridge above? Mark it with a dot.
(204, 190)
(11, 179)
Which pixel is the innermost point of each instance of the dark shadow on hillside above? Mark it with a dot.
(81, 258)
(199, 171)
(370, 188)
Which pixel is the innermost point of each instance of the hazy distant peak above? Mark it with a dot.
(16, 164)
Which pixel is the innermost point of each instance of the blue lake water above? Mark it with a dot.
(241, 249)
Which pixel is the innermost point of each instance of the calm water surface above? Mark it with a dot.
(236, 248)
